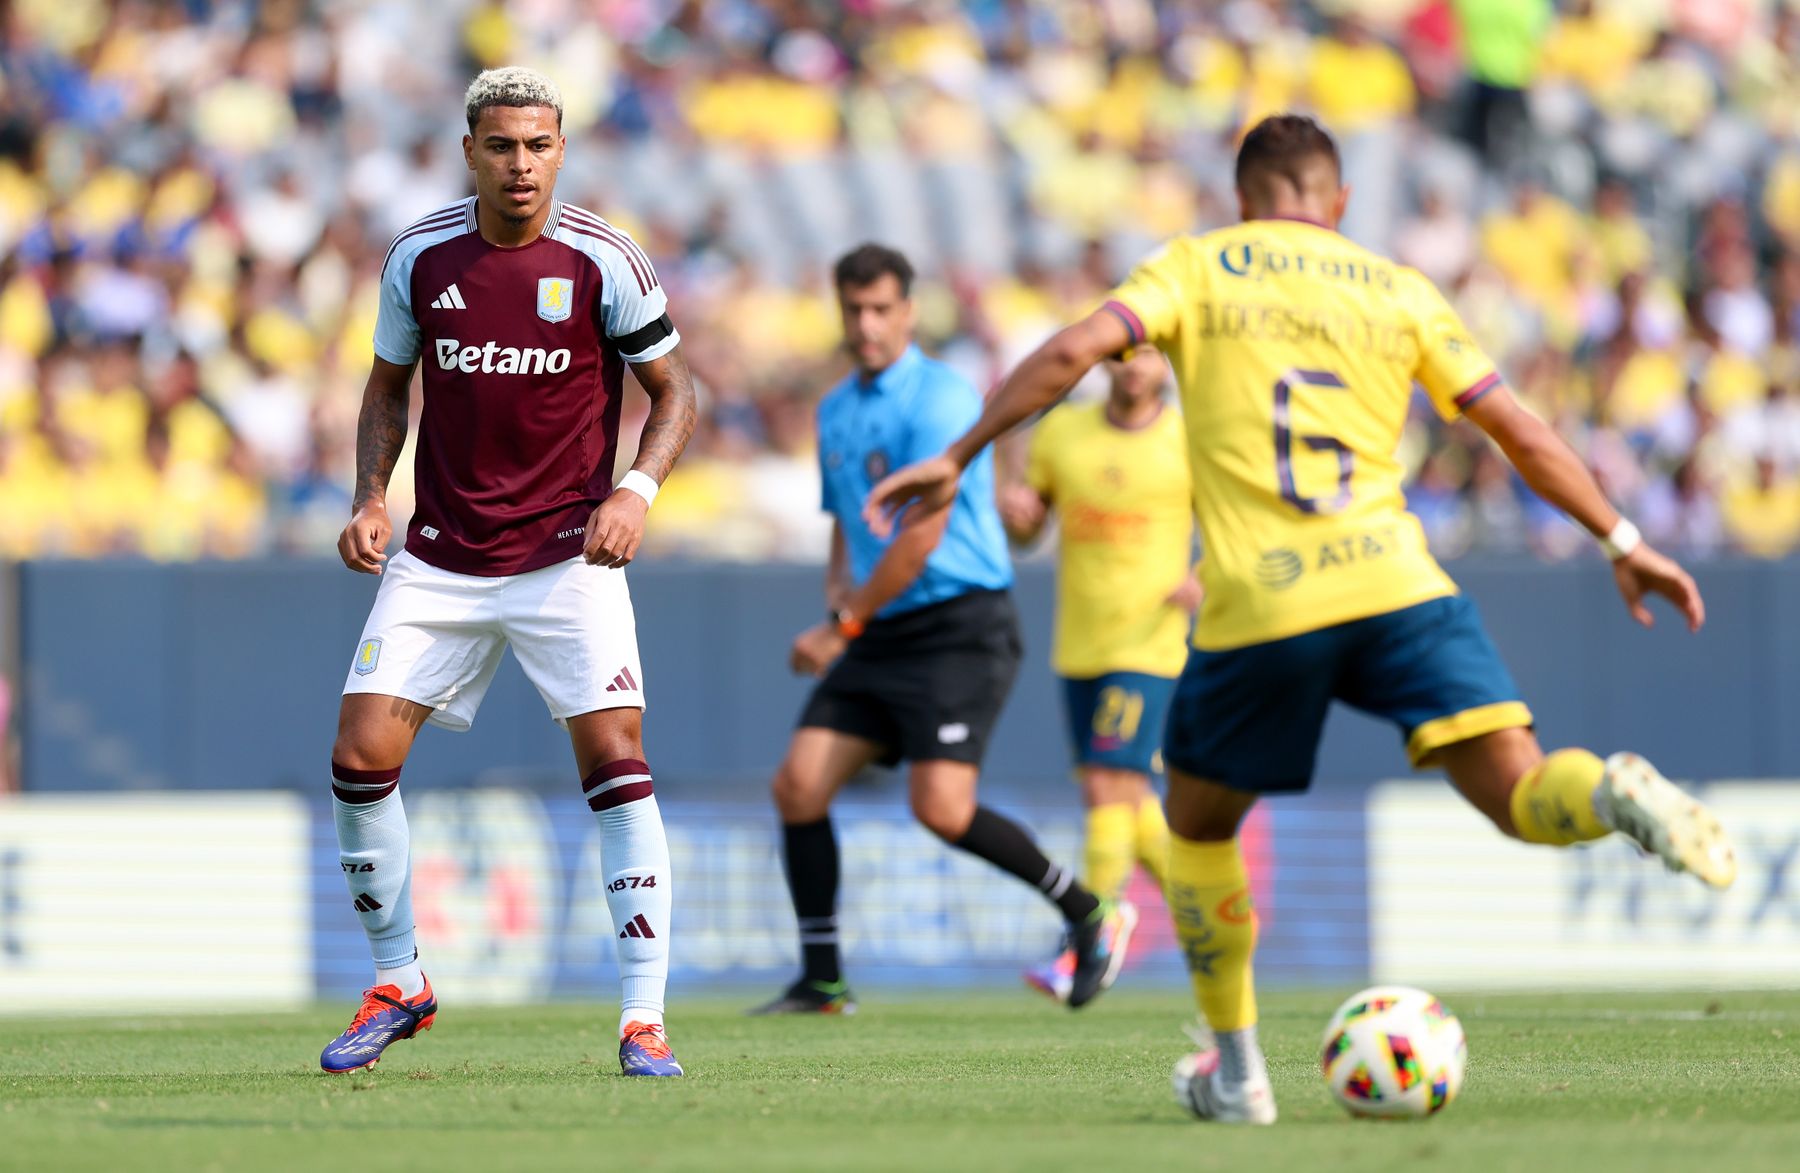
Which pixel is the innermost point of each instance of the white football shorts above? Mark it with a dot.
(436, 638)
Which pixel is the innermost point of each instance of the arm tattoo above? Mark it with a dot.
(672, 411)
(380, 434)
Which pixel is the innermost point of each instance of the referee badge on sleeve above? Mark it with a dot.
(556, 298)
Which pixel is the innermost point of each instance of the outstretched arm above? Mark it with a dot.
(616, 528)
(900, 566)
(1556, 474)
(1044, 377)
(380, 435)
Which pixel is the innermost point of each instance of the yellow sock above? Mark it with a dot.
(1111, 847)
(1554, 801)
(1209, 896)
(1153, 839)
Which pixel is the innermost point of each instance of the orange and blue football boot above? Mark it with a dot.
(644, 1050)
(384, 1018)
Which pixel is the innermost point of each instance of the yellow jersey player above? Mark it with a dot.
(1115, 471)
(1296, 352)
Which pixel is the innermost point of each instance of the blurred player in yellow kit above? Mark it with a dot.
(1296, 352)
(1115, 472)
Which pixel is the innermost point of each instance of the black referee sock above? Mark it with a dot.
(1004, 843)
(811, 853)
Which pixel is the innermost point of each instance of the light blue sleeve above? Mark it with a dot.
(632, 299)
(396, 329)
(945, 408)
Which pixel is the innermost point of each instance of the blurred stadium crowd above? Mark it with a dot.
(195, 198)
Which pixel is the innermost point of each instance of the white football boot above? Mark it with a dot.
(1639, 803)
(1201, 1089)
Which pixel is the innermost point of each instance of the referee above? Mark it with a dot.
(920, 647)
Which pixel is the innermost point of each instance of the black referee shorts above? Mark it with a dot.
(926, 685)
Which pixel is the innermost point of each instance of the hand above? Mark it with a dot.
(931, 483)
(1645, 572)
(614, 529)
(815, 648)
(363, 544)
(1187, 596)
(1021, 509)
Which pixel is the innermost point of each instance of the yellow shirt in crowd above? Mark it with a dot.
(1763, 521)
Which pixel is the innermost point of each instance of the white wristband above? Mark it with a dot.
(641, 483)
(1623, 539)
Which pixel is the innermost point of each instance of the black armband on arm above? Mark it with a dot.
(646, 336)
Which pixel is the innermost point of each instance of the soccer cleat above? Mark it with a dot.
(644, 1050)
(1200, 1089)
(383, 1019)
(805, 997)
(1054, 978)
(1639, 803)
(1100, 947)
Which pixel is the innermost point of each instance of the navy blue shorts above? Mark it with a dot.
(1117, 719)
(1250, 718)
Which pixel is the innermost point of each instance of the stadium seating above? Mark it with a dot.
(190, 253)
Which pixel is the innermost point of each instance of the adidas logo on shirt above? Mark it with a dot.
(450, 299)
(623, 682)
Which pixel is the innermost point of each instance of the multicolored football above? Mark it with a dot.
(1393, 1051)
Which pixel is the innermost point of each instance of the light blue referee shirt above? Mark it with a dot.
(868, 427)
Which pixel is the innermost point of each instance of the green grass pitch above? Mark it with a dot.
(991, 1082)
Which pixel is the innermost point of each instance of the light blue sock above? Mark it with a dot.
(375, 852)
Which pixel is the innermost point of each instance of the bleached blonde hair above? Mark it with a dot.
(512, 85)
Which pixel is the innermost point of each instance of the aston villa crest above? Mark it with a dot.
(556, 298)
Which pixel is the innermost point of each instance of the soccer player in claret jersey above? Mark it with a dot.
(1115, 472)
(524, 312)
(1296, 352)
